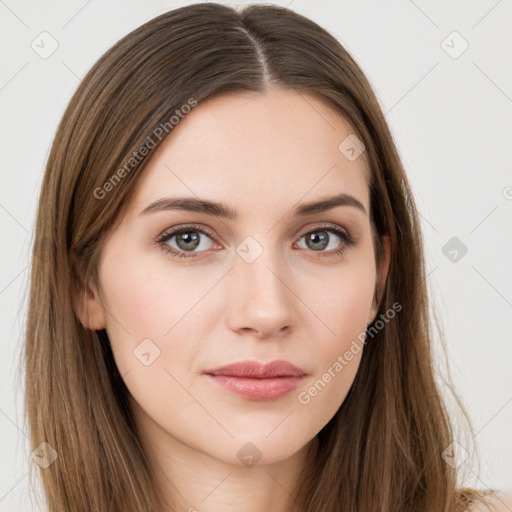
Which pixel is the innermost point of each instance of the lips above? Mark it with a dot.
(255, 370)
(256, 381)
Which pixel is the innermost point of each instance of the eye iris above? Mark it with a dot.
(320, 237)
(190, 239)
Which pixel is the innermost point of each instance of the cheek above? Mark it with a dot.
(152, 328)
(343, 305)
(148, 300)
(343, 300)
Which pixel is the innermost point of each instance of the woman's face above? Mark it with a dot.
(264, 284)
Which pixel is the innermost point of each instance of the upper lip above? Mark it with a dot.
(255, 370)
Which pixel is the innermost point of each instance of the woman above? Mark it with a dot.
(232, 311)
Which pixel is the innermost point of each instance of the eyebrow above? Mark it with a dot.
(216, 209)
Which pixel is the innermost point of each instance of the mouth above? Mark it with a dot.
(256, 381)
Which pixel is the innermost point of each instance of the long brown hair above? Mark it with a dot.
(382, 450)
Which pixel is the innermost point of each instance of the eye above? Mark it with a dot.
(188, 239)
(322, 238)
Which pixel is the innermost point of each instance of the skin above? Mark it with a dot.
(261, 154)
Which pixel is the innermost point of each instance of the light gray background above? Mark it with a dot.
(451, 120)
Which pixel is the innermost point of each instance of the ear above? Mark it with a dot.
(88, 303)
(382, 273)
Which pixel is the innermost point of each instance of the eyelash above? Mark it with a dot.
(165, 237)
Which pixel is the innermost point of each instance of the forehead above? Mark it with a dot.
(255, 150)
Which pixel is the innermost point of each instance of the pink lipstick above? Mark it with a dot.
(257, 381)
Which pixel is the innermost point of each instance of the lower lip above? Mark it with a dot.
(258, 389)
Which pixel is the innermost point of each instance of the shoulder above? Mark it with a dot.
(500, 502)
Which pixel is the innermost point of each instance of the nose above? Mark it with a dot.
(260, 297)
